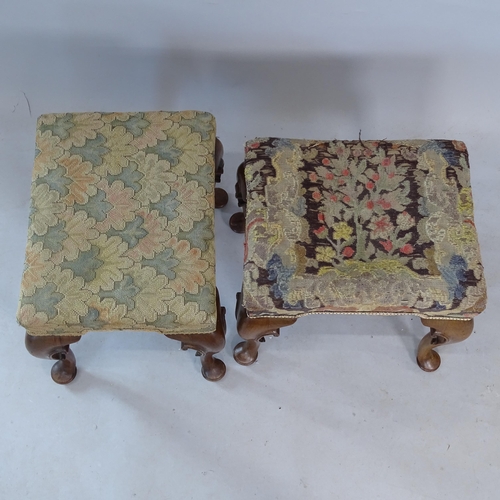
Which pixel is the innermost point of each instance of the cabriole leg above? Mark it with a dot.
(442, 332)
(221, 196)
(237, 220)
(254, 330)
(55, 347)
(206, 345)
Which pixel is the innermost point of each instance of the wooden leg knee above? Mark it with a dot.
(254, 330)
(237, 220)
(221, 196)
(206, 345)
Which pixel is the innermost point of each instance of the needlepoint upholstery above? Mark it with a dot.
(121, 231)
(380, 227)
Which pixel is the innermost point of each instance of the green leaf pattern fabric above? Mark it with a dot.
(121, 224)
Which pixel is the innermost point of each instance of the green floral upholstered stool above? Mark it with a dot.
(358, 227)
(121, 233)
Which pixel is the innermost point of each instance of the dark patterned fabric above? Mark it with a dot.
(360, 226)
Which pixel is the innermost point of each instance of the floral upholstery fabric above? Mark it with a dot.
(360, 226)
(121, 229)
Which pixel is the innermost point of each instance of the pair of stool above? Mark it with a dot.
(121, 235)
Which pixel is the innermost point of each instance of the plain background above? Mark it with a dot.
(336, 408)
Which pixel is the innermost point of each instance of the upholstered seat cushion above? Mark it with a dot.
(360, 226)
(121, 225)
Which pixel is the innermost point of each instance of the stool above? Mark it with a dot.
(357, 227)
(121, 233)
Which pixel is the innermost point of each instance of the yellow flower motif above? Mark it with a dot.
(341, 231)
(325, 254)
(465, 205)
(295, 296)
(462, 236)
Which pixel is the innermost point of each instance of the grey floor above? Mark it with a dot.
(336, 408)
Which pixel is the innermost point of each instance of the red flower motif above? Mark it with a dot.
(316, 195)
(370, 205)
(345, 171)
(313, 177)
(391, 175)
(321, 217)
(346, 199)
(406, 249)
(329, 176)
(381, 226)
(375, 176)
(384, 204)
(385, 162)
(387, 244)
(339, 151)
(333, 197)
(348, 252)
(370, 185)
(254, 145)
(319, 230)
(341, 182)
(325, 161)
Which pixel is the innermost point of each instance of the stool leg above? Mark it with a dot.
(55, 347)
(221, 197)
(237, 220)
(206, 345)
(254, 330)
(442, 332)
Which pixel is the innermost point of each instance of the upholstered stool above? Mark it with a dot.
(358, 227)
(121, 233)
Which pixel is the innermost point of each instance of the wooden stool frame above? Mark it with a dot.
(57, 347)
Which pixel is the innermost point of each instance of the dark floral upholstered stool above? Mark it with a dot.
(358, 227)
(121, 233)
